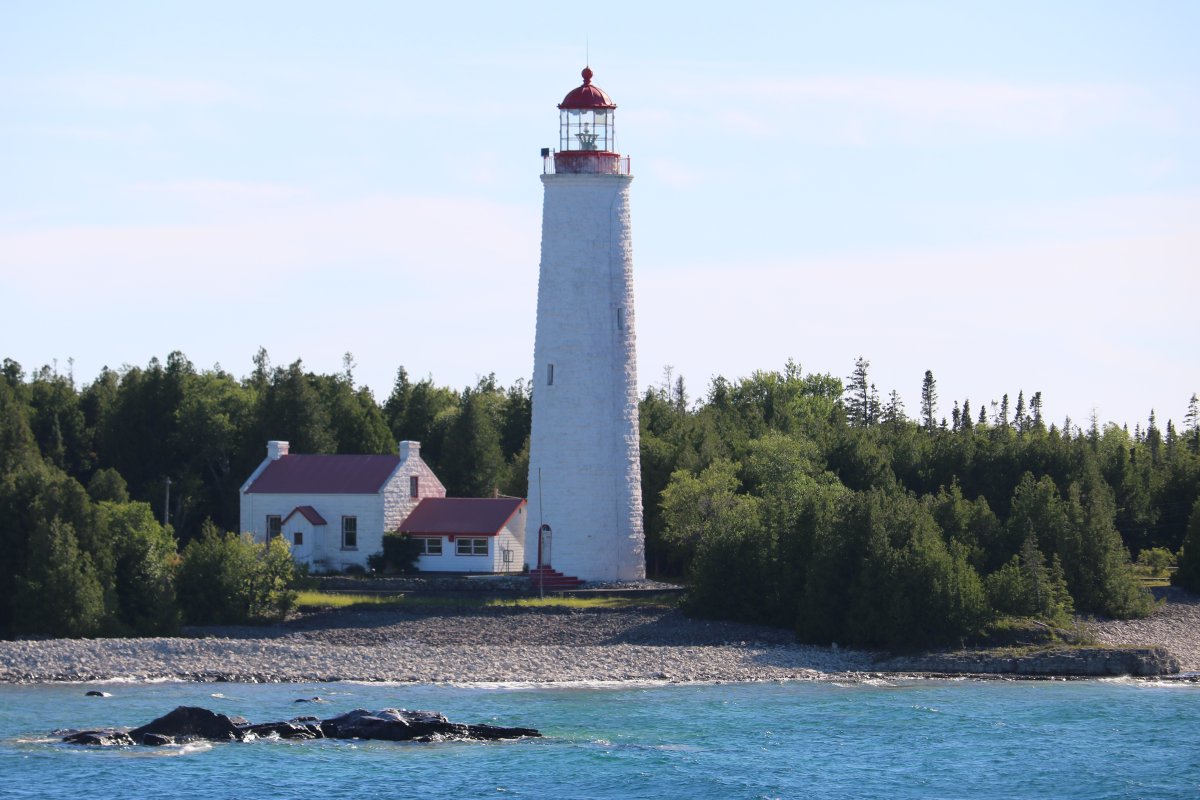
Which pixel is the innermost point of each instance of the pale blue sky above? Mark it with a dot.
(1007, 194)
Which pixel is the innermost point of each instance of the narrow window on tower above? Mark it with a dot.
(549, 374)
(620, 318)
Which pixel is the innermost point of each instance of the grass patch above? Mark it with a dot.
(314, 599)
(347, 600)
(1026, 633)
(557, 601)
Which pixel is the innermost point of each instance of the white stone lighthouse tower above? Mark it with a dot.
(584, 462)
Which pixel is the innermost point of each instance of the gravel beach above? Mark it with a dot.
(504, 645)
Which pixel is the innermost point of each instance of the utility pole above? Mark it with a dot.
(167, 505)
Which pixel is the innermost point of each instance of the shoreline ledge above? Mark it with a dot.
(556, 646)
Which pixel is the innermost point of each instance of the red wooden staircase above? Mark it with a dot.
(552, 579)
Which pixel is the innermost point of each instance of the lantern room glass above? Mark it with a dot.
(587, 129)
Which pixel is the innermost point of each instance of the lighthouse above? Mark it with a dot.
(585, 488)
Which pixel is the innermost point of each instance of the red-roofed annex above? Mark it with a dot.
(334, 509)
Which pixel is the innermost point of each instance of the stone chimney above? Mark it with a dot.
(409, 450)
(276, 449)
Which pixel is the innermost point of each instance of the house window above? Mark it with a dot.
(471, 547)
(349, 533)
(298, 538)
(431, 547)
(549, 374)
(414, 483)
(274, 526)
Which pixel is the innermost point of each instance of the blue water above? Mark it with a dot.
(926, 739)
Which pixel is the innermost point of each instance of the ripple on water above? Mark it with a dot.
(877, 739)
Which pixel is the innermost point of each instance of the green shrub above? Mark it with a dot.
(1025, 587)
(1155, 561)
(399, 554)
(229, 579)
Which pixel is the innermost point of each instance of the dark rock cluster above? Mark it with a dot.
(190, 724)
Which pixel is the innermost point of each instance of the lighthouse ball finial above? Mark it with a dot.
(587, 76)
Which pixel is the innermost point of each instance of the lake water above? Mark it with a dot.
(904, 739)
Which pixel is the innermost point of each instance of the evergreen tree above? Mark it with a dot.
(1153, 439)
(929, 401)
(59, 593)
(397, 404)
(1188, 573)
(292, 409)
(893, 413)
(1025, 587)
(472, 463)
(858, 395)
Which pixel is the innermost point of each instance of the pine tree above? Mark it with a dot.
(1019, 420)
(929, 401)
(1035, 408)
(397, 403)
(858, 395)
(967, 424)
(1002, 419)
(1191, 423)
(955, 417)
(1153, 438)
(893, 413)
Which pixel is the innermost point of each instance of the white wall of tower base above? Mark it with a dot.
(584, 460)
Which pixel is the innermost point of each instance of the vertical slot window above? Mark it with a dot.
(549, 374)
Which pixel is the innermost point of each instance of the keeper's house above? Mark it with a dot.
(334, 509)
(468, 534)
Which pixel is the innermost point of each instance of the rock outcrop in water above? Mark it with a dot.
(190, 724)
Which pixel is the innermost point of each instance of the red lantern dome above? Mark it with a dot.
(587, 96)
(587, 132)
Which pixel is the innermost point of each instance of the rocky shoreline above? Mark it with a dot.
(554, 645)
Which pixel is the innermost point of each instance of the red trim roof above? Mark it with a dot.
(480, 516)
(587, 96)
(307, 474)
(309, 513)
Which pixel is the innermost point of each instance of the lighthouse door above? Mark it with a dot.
(545, 535)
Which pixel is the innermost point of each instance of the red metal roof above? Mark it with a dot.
(587, 96)
(309, 513)
(481, 516)
(307, 474)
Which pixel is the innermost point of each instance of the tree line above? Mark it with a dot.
(90, 543)
(809, 502)
(798, 499)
